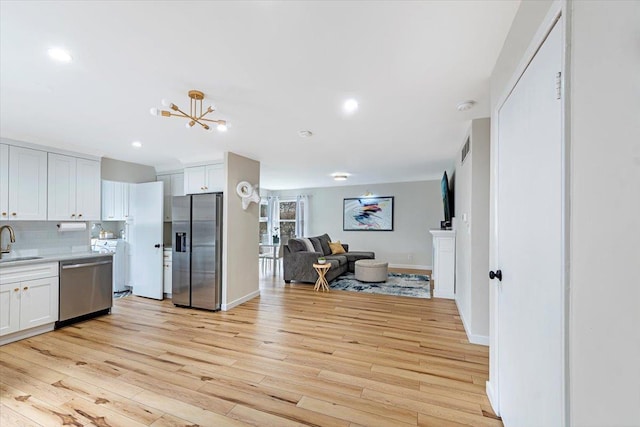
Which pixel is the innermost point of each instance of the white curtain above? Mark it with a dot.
(302, 216)
(273, 221)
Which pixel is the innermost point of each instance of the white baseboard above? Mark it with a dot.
(473, 339)
(412, 266)
(491, 394)
(28, 333)
(225, 307)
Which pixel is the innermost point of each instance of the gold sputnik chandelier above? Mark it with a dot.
(196, 112)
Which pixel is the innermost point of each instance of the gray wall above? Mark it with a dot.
(417, 208)
(117, 170)
(472, 235)
(240, 255)
(604, 333)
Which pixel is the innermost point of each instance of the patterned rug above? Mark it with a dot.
(404, 285)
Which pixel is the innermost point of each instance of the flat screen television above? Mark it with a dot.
(447, 202)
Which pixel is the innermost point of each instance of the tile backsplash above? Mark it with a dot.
(43, 238)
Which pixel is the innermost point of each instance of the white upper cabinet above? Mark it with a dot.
(115, 201)
(173, 185)
(73, 188)
(27, 184)
(204, 179)
(88, 189)
(4, 182)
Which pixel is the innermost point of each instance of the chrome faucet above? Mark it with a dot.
(12, 238)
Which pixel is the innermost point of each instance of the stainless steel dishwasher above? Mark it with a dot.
(85, 288)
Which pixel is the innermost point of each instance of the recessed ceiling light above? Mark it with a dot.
(340, 176)
(305, 133)
(60, 55)
(136, 144)
(350, 106)
(466, 105)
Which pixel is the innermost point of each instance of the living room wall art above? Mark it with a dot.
(368, 214)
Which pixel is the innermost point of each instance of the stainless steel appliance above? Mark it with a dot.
(196, 238)
(85, 288)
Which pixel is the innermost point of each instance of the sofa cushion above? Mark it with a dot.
(308, 244)
(336, 248)
(297, 245)
(342, 260)
(316, 244)
(324, 242)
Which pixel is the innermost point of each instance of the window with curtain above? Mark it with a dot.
(285, 218)
(264, 222)
(287, 223)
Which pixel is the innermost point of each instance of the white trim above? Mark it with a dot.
(473, 339)
(20, 335)
(49, 149)
(440, 294)
(412, 266)
(492, 396)
(232, 304)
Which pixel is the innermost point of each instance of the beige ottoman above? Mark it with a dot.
(371, 270)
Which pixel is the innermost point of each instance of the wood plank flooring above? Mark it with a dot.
(288, 358)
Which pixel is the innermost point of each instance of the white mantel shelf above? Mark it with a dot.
(444, 263)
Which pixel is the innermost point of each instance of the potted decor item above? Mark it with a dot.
(276, 237)
(322, 260)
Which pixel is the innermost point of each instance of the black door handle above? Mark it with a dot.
(157, 245)
(496, 275)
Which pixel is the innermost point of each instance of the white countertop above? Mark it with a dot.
(7, 262)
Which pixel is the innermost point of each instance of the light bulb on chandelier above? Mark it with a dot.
(196, 112)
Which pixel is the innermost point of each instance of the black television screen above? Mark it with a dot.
(446, 201)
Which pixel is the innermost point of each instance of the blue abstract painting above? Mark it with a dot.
(368, 214)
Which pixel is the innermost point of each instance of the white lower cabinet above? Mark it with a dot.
(444, 263)
(167, 267)
(28, 300)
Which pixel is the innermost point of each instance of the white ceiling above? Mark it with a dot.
(271, 69)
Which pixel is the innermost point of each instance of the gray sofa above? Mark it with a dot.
(298, 260)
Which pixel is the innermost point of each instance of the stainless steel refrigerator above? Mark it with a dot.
(196, 237)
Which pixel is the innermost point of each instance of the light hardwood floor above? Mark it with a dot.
(289, 357)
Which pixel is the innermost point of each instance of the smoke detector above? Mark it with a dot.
(466, 105)
(305, 133)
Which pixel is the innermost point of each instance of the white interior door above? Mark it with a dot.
(530, 301)
(146, 242)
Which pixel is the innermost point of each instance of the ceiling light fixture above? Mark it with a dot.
(59, 54)
(340, 176)
(466, 105)
(305, 133)
(196, 112)
(350, 106)
(136, 144)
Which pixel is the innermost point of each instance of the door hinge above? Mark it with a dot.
(558, 85)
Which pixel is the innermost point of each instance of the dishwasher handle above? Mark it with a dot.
(88, 264)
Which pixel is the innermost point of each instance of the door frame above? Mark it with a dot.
(558, 14)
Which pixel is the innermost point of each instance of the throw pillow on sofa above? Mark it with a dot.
(336, 248)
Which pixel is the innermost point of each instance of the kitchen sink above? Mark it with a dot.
(20, 258)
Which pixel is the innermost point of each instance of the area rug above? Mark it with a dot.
(404, 285)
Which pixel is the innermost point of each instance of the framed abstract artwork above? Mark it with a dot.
(368, 214)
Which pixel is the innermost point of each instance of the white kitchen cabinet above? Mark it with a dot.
(28, 300)
(167, 270)
(73, 189)
(27, 184)
(115, 201)
(173, 185)
(204, 179)
(444, 263)
(4, 182)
